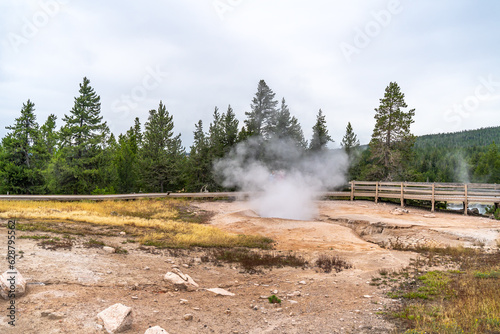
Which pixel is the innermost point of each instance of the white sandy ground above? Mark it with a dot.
(81, 282)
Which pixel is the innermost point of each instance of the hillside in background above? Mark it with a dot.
(462, 139)
(465, 157)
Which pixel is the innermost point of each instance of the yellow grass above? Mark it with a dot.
(154, 218)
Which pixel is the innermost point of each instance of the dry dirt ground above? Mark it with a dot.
(67, 288)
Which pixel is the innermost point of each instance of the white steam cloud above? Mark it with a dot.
(284, 180)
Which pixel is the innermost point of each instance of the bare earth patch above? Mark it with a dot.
(75, 284)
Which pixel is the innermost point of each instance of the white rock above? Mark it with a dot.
(303, 282)
(221, 292)
(180, 280)
(293, 294)
(116, 318)
(123, 232)
(108, 249)
(12, 279)
(156, 330)
(188, 317)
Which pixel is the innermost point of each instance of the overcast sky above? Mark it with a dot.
(197, 54)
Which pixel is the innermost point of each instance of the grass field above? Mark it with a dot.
(461, 300)
(169, 223)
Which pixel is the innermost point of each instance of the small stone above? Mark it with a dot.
(135, 297)
(221, 292)
(156, 330)
(368, 296)
(5, 284)
(228, 311)
(183, 301)
(56, 315)
(108, 249)
(430, 215)
(123, 233)
(185, 265)
(146, 268)
(274, 292)
(188, 317)
(293, 301)
(116, 318)
(303, 282)
(180, 280)
(294, 294)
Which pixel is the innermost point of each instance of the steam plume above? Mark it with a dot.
(284, 179)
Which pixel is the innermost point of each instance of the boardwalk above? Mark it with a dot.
(432, 192)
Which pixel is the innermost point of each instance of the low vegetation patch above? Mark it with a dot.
(164, 223)
(329, 263)
(92, 243)
(250, 260)
(463, 300)
(56, 243)
(274, 300)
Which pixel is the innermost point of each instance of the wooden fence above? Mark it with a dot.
(433, 192)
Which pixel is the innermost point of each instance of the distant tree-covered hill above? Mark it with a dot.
(462, 139)
(465, 156)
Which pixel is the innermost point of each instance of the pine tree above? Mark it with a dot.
(230, 125)
(216, 136)
(320, 137)
(350, 141)
(162, 155)
(200, 163)
(49, 136)
(22, 157)
(126, 159)
(83, 139)
(287, 127)
(392, 142)
(263, 109)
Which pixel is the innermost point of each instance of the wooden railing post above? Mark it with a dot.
(376, 192)
(466, 200)
(433, 196)
(352, 190)
(402, 195)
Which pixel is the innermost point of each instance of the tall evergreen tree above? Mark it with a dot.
(263, 109)
(83, 139)
(49, 135)
(216, 135)
(287, 127)
(350, 141)
(23, 155)
(126, 159)
(162, 154)
(230, 125)
(200, 163)
(320, 136)
(392, 141)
